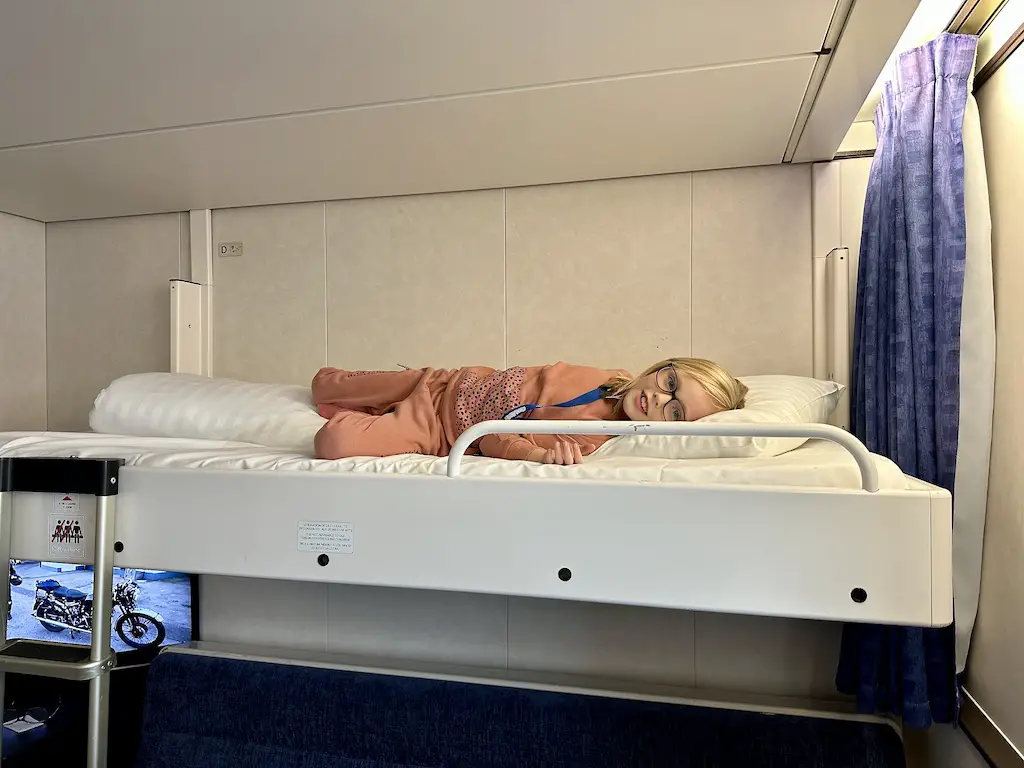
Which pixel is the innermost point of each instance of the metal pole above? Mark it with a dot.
(102, 599)
(99, 707)
(6, 513)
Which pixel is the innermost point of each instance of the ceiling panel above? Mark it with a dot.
(75, 69)
(711, 118)
(871, 32)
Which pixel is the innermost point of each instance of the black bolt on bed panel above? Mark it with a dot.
(94, 477)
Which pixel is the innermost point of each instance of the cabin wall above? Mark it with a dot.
(995, 675)
(107, 305)
(949, 747)
(22, 324)
(614, 273)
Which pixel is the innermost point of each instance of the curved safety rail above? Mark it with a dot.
(868, 472)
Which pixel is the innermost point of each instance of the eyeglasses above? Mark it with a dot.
(668, 382)
(31, 715)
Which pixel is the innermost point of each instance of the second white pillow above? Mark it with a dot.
(772, 399)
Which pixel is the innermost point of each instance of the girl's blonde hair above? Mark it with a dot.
(726, 392)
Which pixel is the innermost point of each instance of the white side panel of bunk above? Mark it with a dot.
(735, 550)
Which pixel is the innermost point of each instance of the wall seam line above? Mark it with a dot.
(327, 318)
(504, 287)
(690, 352)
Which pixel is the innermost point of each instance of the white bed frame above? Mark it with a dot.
(860, 555)
(844, 555)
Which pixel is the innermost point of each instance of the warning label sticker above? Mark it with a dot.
(325, 537)
(67, 539)
(65, 503)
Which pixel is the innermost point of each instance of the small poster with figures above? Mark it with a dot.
(66, 536)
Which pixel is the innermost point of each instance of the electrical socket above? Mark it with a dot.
(230, 249)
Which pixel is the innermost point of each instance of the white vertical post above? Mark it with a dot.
(186, 327)
(201, 244)
(6, 514)
(826, 228)
(819, 302)
(102, 590)
(839, 348)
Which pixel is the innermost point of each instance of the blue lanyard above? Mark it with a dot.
(586, 397)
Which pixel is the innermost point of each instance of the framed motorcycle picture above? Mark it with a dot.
(151, 609)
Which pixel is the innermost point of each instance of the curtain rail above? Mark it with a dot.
(1000, 57)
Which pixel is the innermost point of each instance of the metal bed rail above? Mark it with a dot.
(860, 454)
(92, 477)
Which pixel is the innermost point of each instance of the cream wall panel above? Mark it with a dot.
(416, 281)
(283, 614)
(752, 269)
(612, 641)
(449, 627)
(268, 304)
(995, 673)
(599, 272)
(22, 324)
(761, 654)
(107, 307)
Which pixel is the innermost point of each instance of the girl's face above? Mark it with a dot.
(667, 395)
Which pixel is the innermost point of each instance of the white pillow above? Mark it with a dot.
(771, 399)
(189, 406)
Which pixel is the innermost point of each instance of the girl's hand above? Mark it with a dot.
(562, 453)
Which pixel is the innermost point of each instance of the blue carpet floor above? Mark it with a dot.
(216, 713)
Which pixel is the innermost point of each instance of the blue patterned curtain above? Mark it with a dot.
(906, 366)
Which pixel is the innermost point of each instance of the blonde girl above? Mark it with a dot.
(386, 413)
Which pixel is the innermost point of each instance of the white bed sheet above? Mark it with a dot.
(817, 464)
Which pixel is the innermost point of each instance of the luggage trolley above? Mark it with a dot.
(88, 477)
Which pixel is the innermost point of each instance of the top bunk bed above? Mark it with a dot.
(774, 509)
(817, 529)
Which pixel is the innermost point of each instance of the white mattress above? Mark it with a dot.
(818, 464)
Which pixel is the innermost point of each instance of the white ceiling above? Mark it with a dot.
(114, 107)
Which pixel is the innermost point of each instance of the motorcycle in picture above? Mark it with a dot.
(58, 608)
(15, 581)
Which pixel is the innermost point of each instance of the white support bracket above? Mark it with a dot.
(201, 244)
(840, 348)
(832, 350)
(186, 327)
